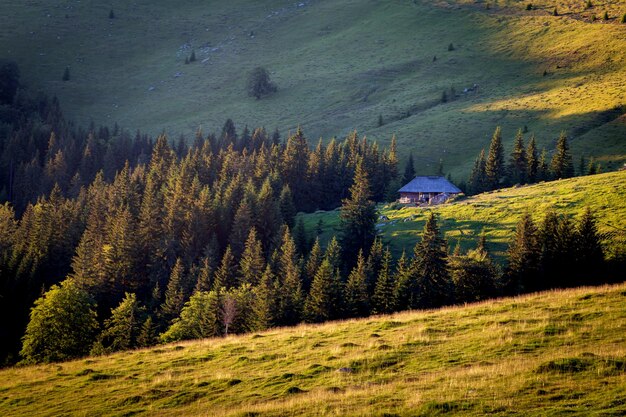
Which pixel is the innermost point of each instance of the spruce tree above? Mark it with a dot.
(287, 207)
(406, 291)
(225, 275)
(475, 276)
(589, 252)
(203, 283)
(290, 298)
(433, 279)
(494, 165)
(199, 318)
(313, 262)
(383, 300)
(409, 170)
(524, 256)
(265, 306)
(518, 164)
(252, 263)
(324, 298)
(561, 165)
(532, 160)
(356, 294)
(174, 293)
(478, 178)
(543, 171)
(123, 328)
(358, 217)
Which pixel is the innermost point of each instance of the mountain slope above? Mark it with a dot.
(338, 66)
(497, 214)
(544, 354)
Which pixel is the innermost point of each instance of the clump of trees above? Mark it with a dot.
(259, 83)
(526, 164)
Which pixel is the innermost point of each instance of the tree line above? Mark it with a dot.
(526, 164)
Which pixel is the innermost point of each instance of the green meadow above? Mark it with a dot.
(339, 66)
(553, 353)
(497, 214)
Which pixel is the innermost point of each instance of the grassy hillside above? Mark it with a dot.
(498, 212)
(545, 354)
(338, 65)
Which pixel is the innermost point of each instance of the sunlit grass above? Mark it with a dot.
(540, 354)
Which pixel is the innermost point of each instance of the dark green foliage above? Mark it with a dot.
(62, 325)
(450, 47)
(174, 293)
(409, 170)
(259, 83)
(478, 178)
(9, 81)
(383, 300)
(588, 251)
(358, 217)
(605, 16)
(111, 14)
(199, 318)
(532, 160)
(287, 208)
(192, 57)
(431, 269)
(518, 163)
(475, 276)
(66, 74)
(589, 4)
(561, 165)
(444, 97)
(324, 300)
(356, 293)
(123, 328)
(381, 121)
(290, 299)
(555, 12)
(522, 273)
(494, 165)
(226, 275)
(623, 20)
(529, 6)
(252, 263)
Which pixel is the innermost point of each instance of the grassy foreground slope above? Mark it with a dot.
(553, 353)
(498, 212)
(338, 65)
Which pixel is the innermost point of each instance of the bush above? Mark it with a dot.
(529, 6)
(451, 47)
(259, 83)
(623, 18)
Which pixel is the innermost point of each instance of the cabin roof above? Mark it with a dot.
(430, 184)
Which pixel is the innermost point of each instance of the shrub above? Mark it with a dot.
(623, 18)
(66, 74)
(111, 14)
(451, 47)
(606, 16)
(529, 6)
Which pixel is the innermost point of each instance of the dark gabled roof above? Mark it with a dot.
(429, 185)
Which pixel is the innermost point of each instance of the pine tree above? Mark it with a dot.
(477, 182)
(265, 305)
(287, 207)
(543, 171)
(524, 255)
(225, 275)
(589, 252)
(494, 165)
(242, 223)
(356, 294)
(431, 271)
(324, 298)
(561, 165)
(174, 293)
(300, 237)
(122, 329)
(290, 296)
(383, 300)
(406, 291)
(518, 164)
(532, 160)
(199, 318)
(358, 217)
(409, 170)
(252, 263)
(203, 282)
(313, 263)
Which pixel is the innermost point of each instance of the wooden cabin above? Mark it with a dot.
(428, 190)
